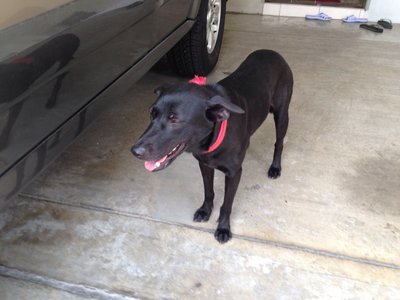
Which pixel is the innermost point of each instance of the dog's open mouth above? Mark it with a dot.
(164, 161)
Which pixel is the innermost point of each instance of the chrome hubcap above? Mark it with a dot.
(213, 22)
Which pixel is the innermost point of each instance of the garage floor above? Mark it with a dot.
(97, 225)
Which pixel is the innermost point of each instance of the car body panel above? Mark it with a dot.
(90, 52)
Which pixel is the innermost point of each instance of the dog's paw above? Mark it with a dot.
(274, 172)
(222, 235)
(201, 215)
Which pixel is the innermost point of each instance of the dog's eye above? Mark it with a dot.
(172, 118)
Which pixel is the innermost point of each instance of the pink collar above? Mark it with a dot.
(220, 137)
(200, 80)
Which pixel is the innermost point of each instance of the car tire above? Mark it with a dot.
(198, 51)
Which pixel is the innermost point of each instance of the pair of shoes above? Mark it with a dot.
(319, 17)
(385, 23)
(354, 19)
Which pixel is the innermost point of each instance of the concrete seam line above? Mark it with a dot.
(72, 288)
(292, 247)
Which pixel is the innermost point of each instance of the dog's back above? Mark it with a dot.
(263, 83)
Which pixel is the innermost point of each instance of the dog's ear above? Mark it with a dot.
(161, 89)
(219, 108)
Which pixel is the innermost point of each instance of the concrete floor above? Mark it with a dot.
(97, 225)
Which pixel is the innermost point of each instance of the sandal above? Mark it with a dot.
(320, 17)
(385, 23)
(354, 19)
(373, 28)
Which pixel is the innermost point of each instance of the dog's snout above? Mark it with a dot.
(138, 151)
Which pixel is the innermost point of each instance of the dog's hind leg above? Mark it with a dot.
(281, 118)
(204, 212)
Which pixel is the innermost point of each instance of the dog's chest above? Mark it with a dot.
(214, 163)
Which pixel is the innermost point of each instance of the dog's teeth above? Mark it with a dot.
(157, 164)
(173, 150)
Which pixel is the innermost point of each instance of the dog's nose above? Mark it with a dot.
(138, 151)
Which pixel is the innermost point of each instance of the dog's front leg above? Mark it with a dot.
(204, 212)
(223, 232)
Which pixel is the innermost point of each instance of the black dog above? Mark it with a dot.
(215, 122)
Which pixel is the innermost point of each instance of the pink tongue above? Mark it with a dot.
(152, 165)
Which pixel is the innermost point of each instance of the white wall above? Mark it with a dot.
(246, 6)
(384, 9)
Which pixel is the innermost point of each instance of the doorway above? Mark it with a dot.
(336, 3)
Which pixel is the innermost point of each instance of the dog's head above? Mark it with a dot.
(181, 119)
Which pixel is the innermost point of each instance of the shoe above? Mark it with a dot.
(320, 17)
(354, 19)
(385, 23)
(373, 28)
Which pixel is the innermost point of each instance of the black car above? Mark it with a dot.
(60, 68)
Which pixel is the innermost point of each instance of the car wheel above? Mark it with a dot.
(197, 53)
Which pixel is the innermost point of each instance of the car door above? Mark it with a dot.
(54, 63)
